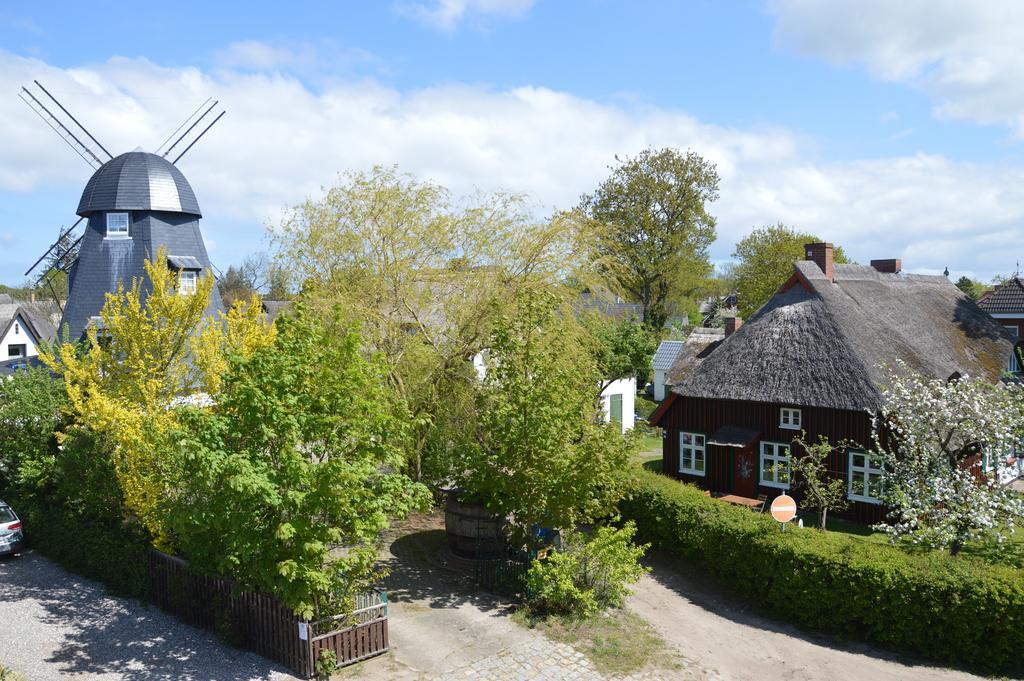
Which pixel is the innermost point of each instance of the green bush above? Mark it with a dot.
(954, 609)
(587, 575)
(114, 554)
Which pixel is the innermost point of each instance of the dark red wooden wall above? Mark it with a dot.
(707, 416)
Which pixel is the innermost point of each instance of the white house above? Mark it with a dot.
(618, 401)
(23, 326)
(663, 360)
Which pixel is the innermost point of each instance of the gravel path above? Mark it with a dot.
(56, 625)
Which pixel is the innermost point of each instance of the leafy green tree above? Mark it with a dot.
(971, 287)
(542, 457)
(652, 229)
(425, 275)
(766, 258)
(821, 490)
(288, 480)
(31, 411)
(625, 348)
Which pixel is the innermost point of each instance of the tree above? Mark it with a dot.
(766, 258)
(234, 286)
(652, 229)
(426, 277)
(296, 459)
(121, 385)
(971, 287)
(929, 437)
(810, 470)
(32, 403)
(625, 348)
(542, 457)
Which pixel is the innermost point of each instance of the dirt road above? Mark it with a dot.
(704, 625)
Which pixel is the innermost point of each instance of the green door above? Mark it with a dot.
(616, 408)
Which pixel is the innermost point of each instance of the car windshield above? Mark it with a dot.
(6, 515)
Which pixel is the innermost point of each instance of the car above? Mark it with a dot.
(12, 532)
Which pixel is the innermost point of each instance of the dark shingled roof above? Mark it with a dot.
(825, 344)
(138, 181)
(733, 436)
(1007, 298)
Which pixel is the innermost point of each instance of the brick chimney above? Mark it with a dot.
(732, 325)
(890, 266)
(821, 255)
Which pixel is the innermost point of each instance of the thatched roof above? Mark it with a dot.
(1007, 298)
(825, 344)
(701, 342)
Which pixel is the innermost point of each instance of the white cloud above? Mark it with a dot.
(966, 55)
(281, 142)
(446, 15)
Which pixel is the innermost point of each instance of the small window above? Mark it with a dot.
(117, 225)
(790, 418)
(187, 283)
(775, 464)
(16, 350)
(866, 475)
(691, 453)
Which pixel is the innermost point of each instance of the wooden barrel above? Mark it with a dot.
(472, 529)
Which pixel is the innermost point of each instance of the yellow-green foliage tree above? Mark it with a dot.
(136, 364)
(426, 275)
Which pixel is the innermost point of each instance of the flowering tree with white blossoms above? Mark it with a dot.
(929, 432)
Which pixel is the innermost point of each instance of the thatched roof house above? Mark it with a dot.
(814, 358)
(701, 342)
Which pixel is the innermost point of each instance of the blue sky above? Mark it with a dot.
(891, 128)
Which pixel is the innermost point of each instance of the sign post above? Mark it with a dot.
(783, 509)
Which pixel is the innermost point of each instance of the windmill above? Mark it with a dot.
(132, 205)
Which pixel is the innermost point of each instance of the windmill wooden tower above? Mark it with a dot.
(132, 205)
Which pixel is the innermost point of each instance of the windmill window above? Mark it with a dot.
(691, 453)
(117, 225)
(187, 282)
(775, 464)
(790, 419)
(865, 477)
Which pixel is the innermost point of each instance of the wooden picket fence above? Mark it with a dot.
(262, 624)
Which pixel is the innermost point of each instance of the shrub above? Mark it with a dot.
(954, 609)
(112, 553)
(587, 575)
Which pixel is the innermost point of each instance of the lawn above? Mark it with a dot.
(618, 642)
(1011, 552)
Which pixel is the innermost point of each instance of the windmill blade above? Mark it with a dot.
(183, 124)
(91, 153)
(191, 127)
(60, 254)
(74, 120)
(199, 137)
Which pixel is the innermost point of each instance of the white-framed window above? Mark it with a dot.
(865, 477)
(117, 225)
(691, 453)
(1012, 365)
(790, 418)
(187, 282)
(775, 470)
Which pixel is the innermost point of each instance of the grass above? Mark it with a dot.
(617, 642)
(1010, 552)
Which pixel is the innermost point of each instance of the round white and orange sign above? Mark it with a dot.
(783, 508)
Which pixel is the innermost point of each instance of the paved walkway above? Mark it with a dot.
(55, 625)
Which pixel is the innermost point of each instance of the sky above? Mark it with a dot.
(892, 129)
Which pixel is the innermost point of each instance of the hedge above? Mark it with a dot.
(957, 610)
(112, 554)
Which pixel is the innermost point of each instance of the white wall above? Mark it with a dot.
(659, 385)
(17, 334)
(627, 388)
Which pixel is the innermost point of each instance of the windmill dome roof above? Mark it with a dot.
(138, 181)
